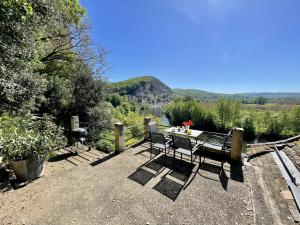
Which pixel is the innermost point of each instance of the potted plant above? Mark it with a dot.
(25, 144)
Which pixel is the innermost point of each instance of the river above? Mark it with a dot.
(157, 110)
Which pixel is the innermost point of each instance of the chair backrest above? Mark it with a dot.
(156, 137)
(227, 141)
(152, 127)
(182, 142)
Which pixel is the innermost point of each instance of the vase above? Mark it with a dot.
(28, 169)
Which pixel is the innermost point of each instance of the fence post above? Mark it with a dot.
(147, 120)
(237, 143)
(119, 137)
(74, 122)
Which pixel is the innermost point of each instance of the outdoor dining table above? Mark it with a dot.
(195, 134)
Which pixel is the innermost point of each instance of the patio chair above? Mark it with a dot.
(219, 142)
(158, 141)
(185, 146)
(152, 127)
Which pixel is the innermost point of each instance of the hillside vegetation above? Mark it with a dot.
(224, 114)
(246, 97)
(146, 88)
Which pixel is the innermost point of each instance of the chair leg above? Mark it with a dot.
(174, 156)
(200, 153)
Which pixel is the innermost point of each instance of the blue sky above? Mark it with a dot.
(225, 46)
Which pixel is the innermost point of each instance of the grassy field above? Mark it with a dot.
(270, 107)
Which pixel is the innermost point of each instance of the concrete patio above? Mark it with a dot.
(128, 189)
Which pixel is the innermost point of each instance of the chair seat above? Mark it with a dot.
(211, 146)
(185, 151)
(160, 146)
(194, 142)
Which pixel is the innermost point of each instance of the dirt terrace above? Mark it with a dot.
(96, 188)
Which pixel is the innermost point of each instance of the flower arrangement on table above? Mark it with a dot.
(187, 124)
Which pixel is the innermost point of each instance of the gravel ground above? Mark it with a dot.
(117, 192)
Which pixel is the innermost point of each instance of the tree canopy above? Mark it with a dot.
(48, 63)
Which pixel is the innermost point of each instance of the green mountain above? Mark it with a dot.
(146, 88)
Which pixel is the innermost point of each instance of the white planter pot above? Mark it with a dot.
(28, 169)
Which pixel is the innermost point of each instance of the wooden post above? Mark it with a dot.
(119, 137)
(74, 122)
(147, 120)
(237, 143)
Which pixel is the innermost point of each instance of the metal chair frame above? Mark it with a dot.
(158, 141)
(220, 141)
(183, 145)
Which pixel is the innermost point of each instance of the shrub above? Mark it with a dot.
(295, 120)
(99, 119)
(249, 128)
(106, 141)
(23, 138)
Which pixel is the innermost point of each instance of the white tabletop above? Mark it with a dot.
(174, 130)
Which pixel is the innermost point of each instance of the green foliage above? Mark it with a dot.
(260, 100)
(23, 138)
(128, 112)
(99, 119)
(114, 99)
(21, 87)
(129, 86)
(247, 124)
(245, 98)
(228, 112)
(106, 141)
(295, 120)
(225, 114)
(47, 64)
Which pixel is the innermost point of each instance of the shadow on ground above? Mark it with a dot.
(236, 170)
(102, 160)
(61, 157)
(5, 184)
(172, 182)
(8, 181)
(181, 173)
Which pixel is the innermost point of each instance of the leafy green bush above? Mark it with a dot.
(249, 128)
(105, 145)
(23, 138)
(295, 120)
(226, 114)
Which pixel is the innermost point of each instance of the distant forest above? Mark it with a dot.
(246, 98)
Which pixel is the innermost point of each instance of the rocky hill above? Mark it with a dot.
(144, 89)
